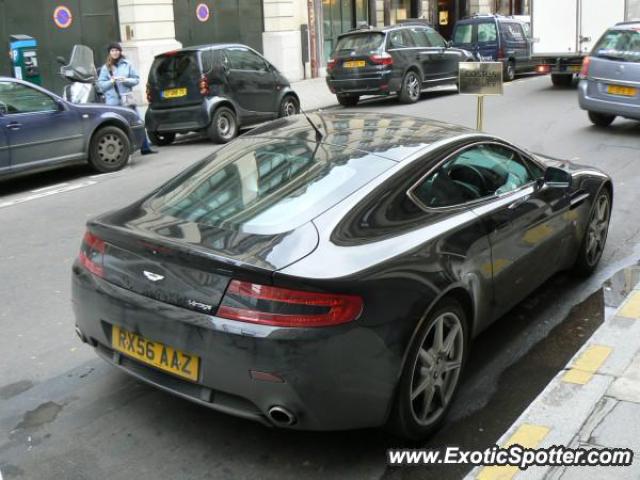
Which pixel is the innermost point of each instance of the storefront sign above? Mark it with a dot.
(202, 12)
(62, 17)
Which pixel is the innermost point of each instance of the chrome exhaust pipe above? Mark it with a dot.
(281, 416)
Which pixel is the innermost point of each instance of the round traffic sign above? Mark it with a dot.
(62, 16)
(202, 12)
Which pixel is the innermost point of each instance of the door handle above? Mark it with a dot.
(14, 126)
(518, 202)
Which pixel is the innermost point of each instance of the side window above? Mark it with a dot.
(477, 172)
(400, 39)
(209, 60)
(463, 33)
(18, 98)
(419, 36)
(512, 31)
(487, 32)
(435, 39)
(243, 59)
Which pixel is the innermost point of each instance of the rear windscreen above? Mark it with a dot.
(180, 68)
(621, 45)
(361, 42)
(267, 186)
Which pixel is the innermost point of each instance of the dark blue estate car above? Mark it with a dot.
(41, 131)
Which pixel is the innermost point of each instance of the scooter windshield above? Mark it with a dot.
(81, 67)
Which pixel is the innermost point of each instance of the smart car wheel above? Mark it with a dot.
(348, 100)
(289, 106)
(410, 90)
(431, 372)
(161, 139)
(595, 235)
(601, 119)
(224, 126)
(109, 149)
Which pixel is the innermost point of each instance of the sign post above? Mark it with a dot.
(480, 79)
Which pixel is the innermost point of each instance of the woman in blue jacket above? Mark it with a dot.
(116, 81)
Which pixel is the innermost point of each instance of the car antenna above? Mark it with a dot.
(315, 127)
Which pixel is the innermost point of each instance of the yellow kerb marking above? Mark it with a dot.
(587, 364)
(527, 435)
(631, 308)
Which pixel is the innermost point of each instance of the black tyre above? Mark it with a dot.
(289, 106)
(348, 100)
(431, 372)
(161, 139)
(595, 235)
(510, 71)
(561, 80)
(109, 149)
(224, 125)
(411, 88)
(601, 119)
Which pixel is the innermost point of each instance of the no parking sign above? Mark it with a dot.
(62, 16)
(202, 12)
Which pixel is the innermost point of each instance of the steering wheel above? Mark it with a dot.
(469, 176)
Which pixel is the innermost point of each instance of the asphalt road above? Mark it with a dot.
(66, 414)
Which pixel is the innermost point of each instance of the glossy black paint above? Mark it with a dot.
(377, 243)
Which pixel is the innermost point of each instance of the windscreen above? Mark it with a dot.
(82, 60)
(361, 42)
(268, 186)
(179, 68)
(623, 45)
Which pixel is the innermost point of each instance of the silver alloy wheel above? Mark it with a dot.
(597, 230)
(110, 149)
(289, 107)
(437, 368)
(225, 125)
(413, 86)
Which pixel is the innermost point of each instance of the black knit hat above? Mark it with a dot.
(114, 45)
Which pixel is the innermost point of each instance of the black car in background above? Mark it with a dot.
(402, 59)
(497, 38)
(214, 89)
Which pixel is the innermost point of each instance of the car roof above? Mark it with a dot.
(386, 28)
(207, 46)
(630, 25)
(499, 18)
(395, 137)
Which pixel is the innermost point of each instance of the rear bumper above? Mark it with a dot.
(375, 84)
(177, 119)
(626, 109)
(337, 378)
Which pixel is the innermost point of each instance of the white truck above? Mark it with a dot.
(564, 31)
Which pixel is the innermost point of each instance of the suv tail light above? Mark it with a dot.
(203, 85)
(501, 52)
(331, 64)
(584, 71)
(92, 254)
(381, 58)
(250, 302)
(149, 96)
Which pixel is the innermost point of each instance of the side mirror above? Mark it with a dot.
(448, 44)
(556, 177)
(3, 109)
(61, 60)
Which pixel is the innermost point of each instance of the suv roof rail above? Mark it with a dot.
(414, 21)
(361, 26)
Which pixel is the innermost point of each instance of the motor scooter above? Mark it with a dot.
(82, 76)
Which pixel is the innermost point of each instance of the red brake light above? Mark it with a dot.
(203, 85)
(381, 58)
(250, 302)
(501, 52)
(92, 254)
(331, 64)
(584, 72)
(149, 96)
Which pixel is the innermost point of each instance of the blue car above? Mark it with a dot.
(41, 131)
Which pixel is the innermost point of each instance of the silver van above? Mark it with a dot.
(610, 77)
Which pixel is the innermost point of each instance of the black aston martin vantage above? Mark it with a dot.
(333, 275)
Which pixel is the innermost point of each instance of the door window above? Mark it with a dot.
(18, 98)
(243, 59)
(435, 39)
(419, 37)
(513, 31)
(463, 33)
(400, 39)
(478, 172)
(487, 32)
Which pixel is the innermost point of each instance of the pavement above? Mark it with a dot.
(594, 402)
(314, 94)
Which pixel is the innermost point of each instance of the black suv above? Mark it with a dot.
(214, 89)
(402, 58)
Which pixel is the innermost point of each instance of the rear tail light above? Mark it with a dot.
(203, 85)
(543, 69)
(501, 52)
(250, 302)
(382, 59)
(584, 72)
(149, 96)
(92, 254)
(331, 64)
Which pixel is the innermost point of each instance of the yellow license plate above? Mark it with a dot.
(575, 68)
(174, 93)
(354, 64)
(155, 354)
(624, 91)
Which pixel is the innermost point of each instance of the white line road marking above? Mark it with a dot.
(48, 192)
(58, 185)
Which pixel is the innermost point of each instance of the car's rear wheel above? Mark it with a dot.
(109, 149)
(411, 88)
(289, 106)
(348, 100)
(431, 373)
(601, 119)
(161, 139)
(510, 71)
(561, 79)
(595, 235)
(224, 125)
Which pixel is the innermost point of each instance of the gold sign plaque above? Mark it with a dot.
(480, 78)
